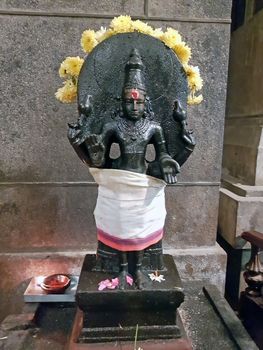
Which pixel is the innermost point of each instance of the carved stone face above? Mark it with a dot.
(133, 103)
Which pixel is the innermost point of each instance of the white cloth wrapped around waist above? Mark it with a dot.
(130, 210)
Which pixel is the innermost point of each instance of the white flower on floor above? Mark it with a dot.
(156, 277)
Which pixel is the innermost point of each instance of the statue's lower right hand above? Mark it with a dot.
(96, 149)
(169, 168)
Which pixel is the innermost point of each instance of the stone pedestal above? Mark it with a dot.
(111, 315)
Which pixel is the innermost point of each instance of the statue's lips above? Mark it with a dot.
(135, 115)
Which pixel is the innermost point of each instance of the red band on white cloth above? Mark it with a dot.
(130, 210)
(128, 245)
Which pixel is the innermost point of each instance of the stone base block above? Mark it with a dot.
(167, 294)
(111, 315)
(79, 337)
(238, 214)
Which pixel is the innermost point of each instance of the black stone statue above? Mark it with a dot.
(133, 125)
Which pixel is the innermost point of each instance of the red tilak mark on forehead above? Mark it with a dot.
(135, 94)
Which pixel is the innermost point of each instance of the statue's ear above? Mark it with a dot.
(120, 109)
(148, 112)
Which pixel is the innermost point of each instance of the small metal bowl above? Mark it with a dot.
(55, 284)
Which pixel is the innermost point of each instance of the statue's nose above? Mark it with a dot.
(134, 104)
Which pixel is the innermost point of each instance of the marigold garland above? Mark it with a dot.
(142, 27)
(121, 24)
(157, 33)
(71, 66)
(171, 38)
(68, 92)
(88, 40)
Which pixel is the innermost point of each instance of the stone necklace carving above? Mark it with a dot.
(133, 130)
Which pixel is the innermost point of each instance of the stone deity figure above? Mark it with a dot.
(130, 210)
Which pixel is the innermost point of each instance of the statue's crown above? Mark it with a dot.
(134, 72)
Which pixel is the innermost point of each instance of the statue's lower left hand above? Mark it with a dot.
(169, 169)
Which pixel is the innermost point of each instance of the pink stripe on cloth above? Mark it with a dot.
(126, 245)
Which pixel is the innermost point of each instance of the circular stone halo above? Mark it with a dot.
(104, 67)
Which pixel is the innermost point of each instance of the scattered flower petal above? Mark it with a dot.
(152, 276)
(155, 277)
(129, 280)
(109, 284)
(114, 283)
(160, 278)
(104, 284)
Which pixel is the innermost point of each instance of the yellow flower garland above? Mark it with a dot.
(88, 40)
(68, 92)
(71, 66)
(121, 24)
